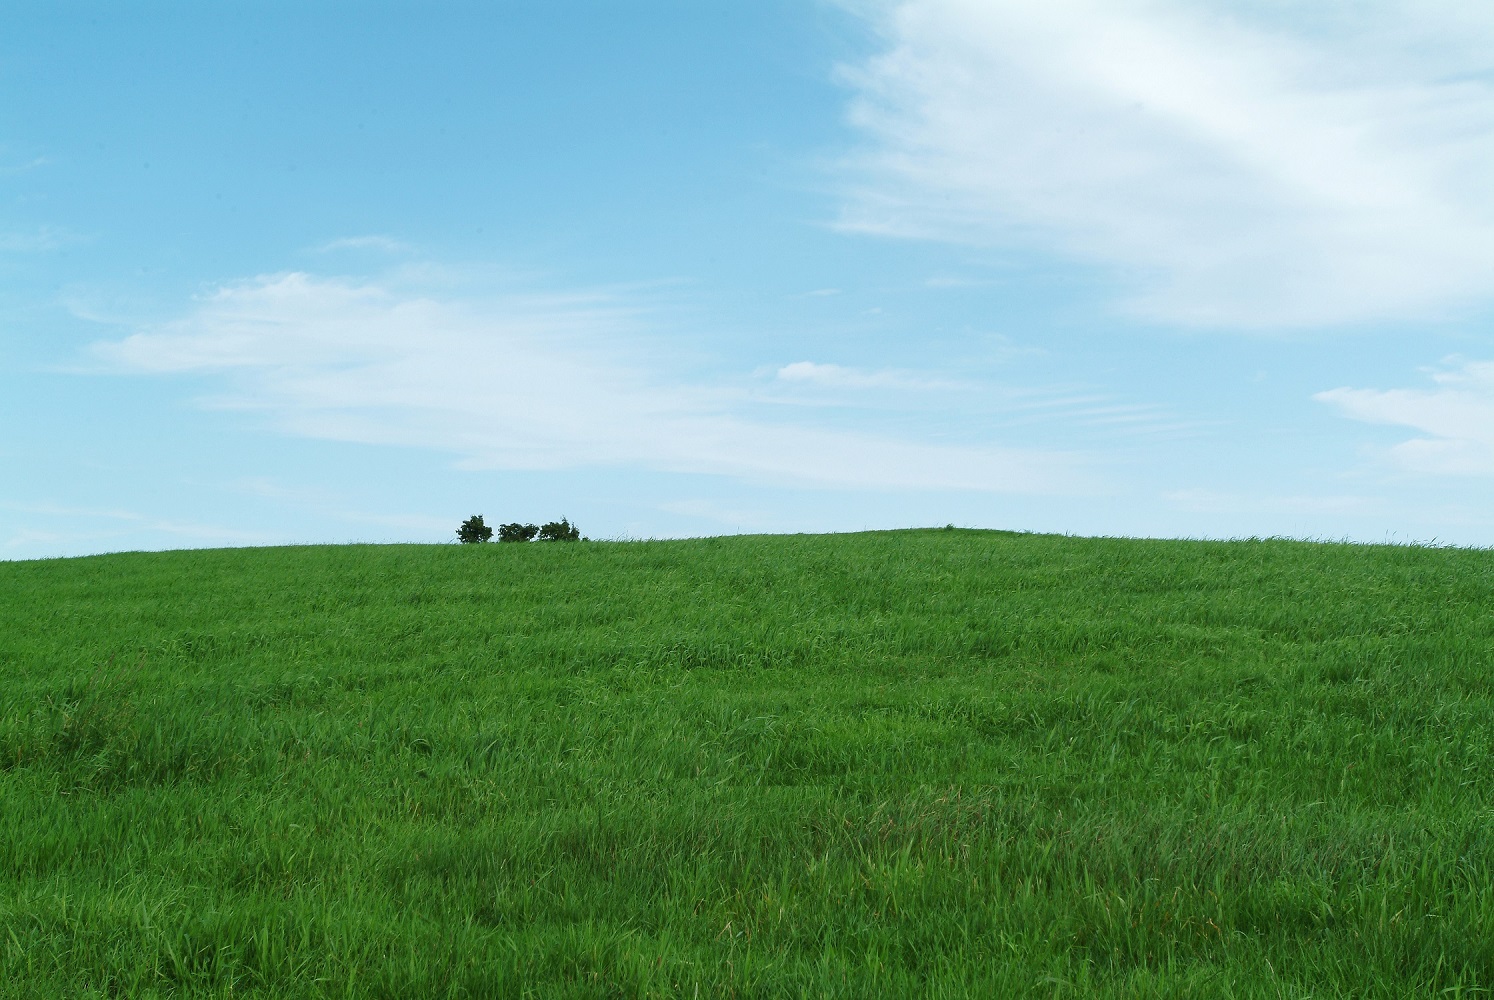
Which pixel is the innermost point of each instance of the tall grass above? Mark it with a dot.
(924, 763)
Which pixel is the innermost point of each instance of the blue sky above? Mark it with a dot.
(316, 272)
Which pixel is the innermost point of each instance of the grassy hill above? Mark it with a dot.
(921, 763)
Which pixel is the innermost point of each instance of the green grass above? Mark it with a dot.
(922, 763)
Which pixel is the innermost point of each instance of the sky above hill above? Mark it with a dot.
(327, 272)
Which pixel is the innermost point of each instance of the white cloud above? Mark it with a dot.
(523, 382)
(1214, 502)
(385, 244)
(840, 377)
(11, 165)
(39, 240)
(332, 504)
(737, 517)
(123, 522)
(1081, 413)
(951, 281)
(1244, 164)
(28, 537)
(1456, 417)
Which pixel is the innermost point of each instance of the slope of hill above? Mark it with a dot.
(923, 763)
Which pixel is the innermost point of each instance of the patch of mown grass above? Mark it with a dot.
(926, 763)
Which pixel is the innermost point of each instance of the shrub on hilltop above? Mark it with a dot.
(473, 531)
(559, 531)
(517, 532)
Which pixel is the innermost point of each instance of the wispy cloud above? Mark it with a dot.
(39, 240)
(107, 523)
(11, 168)
(953, 281)
(383, 244)
(525, 382)
(1254, 164)
(1076, 412)
(1455, 416)
(841, 377)
(1216, 502)
(736, 517)
(333, 504)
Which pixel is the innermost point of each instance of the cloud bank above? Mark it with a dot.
(523, 382)
(1455, 417)
(1255, 164)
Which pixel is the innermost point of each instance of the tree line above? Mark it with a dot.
(474, 531)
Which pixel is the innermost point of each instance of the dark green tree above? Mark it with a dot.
(559, 531)
(516, 532)
(473, 531)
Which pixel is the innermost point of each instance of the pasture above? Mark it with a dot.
(929, 763)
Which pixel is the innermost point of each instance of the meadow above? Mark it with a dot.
(931, 763)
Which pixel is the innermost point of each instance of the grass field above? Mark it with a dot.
(923, 763)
